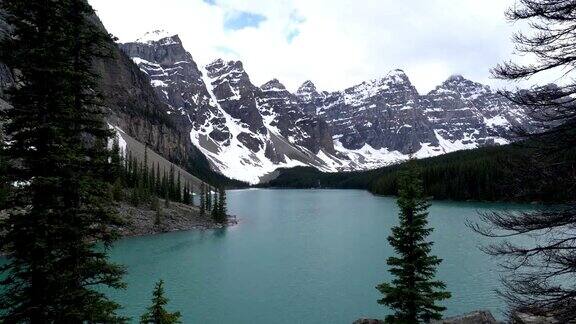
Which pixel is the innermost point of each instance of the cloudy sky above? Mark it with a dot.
(334, 43)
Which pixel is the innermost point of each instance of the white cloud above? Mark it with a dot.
(338, 43)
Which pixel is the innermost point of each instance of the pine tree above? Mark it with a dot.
(135, 171)
(158, 185)
(144, 168)
(152, 181)
(116, 160)
(156, 313)
(118, 190)
(203, 200)
(413, 293)
(192, 203)
(186, 197)
(222, 209)
(155, 206)
(58, 227)
(178, 189)
(208, 198)
(135, 196)
(128, 171)
(172, 184)
(166, 200)
(165, 192)
(215, 209)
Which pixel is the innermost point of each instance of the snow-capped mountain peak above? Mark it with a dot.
(156, 36)
(398, 76)
(463, 86)
(273, 85)
(246, 132)
(307, 91)
(307, 87)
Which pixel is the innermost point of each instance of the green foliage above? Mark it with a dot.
(167, 201)
(203, 200)
(58, 229)
(413, 292)
(191, 193)
(158, 184)
(208, 199)
(466, 175)
(147, 183)
(187, 195)
(155, 206)
(157, 313)
(135, 197)
(215, 209)
(118, 190)
(219, 208)
(485, 174)
(116, 160)
(222, 208)
(178, 189)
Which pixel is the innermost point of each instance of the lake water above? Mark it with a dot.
(301, 256)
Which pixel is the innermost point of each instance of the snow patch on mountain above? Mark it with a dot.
(247, 132)
(157, 36)
(233, 158)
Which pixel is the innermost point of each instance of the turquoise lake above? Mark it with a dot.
(301, 256)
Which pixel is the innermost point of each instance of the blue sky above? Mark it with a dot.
(237, 20)
(334, 43)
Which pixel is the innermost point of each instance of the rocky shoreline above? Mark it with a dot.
(476, 317)
(141, 220)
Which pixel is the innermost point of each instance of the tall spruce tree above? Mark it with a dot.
(117, 170)
(165, 190)
(155, 206)
(116, 159)
(171, 183)
(152, 180)
(157, 313)
(178, 196)
(58, 151)
(222, 209)
(145, 178)
(158, 184)
(208, 198)
(215, 209)
(413, 292)
(186, 197)
(202, 199)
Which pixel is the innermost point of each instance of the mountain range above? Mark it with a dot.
(216, 123)
(246, 131)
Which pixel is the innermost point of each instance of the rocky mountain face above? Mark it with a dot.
(389, 114)
(248, 131)
(380, 113)
(134, 108)
(283, 114)
(245, 131)
(214, 121)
